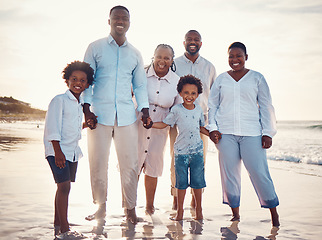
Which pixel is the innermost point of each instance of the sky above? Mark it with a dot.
(38, 38)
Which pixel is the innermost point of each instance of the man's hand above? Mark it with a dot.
(266, 142)
(147, 124)
(215, 136)
(90, 118)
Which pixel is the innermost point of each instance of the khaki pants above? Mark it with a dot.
(173, 135)
(125, 141)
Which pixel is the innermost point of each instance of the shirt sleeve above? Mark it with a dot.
(266, 109)
(139, 83)
(171, 118)
(54, 118)
(90, 59)
(213, 104)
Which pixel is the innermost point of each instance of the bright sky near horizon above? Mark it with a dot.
(283, 38)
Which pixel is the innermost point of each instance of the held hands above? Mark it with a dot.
(147, 122)
(91, 123)
(215, 136)
(266, 142)
(90, 118)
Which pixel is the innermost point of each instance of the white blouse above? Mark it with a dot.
(242, 108)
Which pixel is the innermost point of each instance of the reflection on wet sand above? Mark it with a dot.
(8, 143)
(230, 232)
(272, 236)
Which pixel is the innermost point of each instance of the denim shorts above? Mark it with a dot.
(195, 164)
(68, 173)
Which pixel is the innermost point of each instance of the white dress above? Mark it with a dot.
(163, 95)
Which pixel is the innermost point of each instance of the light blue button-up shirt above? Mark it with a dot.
(117, 70)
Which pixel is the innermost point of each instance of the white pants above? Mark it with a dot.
(232, 150)
(125, 141)
(173, 135)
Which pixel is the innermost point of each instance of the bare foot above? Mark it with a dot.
(174, 204)
(199, 215)
(131, 216)
(149, 210)
(235, 218)
(99, 214)
(179, 216)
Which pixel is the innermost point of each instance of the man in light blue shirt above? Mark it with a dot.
(119, 71)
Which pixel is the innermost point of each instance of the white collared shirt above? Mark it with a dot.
(202, 69)
(242, 108)
(117, 69)
(64, 124)
(163, 91)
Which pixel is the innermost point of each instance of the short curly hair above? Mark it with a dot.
(79, 66)
(189, 79)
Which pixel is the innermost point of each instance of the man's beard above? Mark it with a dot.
(192, 53)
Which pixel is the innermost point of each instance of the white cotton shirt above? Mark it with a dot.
(163, 95)
(202, 69)
(188, 123)
(64, 124)
(242, 108)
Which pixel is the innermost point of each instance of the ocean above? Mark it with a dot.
(27, 192)
(297, 146)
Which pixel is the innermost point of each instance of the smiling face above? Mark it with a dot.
(77, 83)
(192, 43)
(189, 94)
(162, 61)
(237, 59)
(119, 22)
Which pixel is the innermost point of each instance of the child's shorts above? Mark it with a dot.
(193, 162)
(68, 173)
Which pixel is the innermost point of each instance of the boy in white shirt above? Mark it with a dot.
(62, 132)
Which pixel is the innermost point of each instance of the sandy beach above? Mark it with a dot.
(27, 192)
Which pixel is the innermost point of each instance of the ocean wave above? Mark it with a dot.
(293, 159)
(315, 127)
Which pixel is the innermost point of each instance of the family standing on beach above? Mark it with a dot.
(180, 97)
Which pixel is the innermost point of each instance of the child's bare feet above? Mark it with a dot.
(199, 215)
(179, 216)
(235, 218)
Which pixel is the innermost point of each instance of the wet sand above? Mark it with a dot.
(27, 193)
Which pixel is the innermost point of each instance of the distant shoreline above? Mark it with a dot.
(13, 117)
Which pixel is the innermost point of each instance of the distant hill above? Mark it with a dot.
(12, 109)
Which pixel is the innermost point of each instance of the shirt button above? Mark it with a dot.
(158, 92)
(148, 137)
(154, 110)
(146, 151)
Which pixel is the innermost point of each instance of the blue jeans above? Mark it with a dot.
(193, 162)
